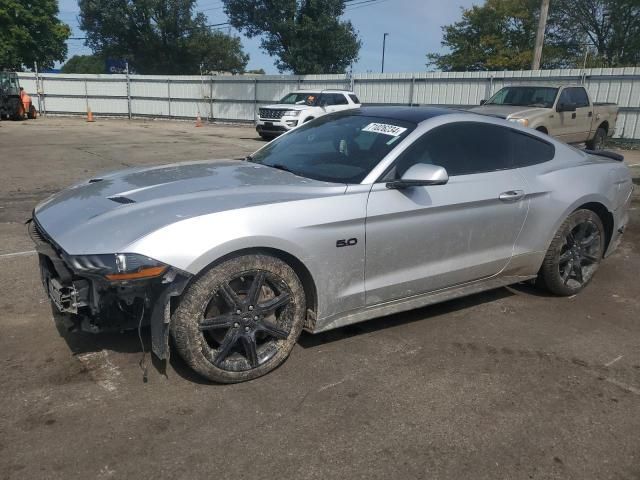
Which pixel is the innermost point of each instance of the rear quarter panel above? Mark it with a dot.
(561, 186)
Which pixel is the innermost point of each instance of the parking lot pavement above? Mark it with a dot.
(511, 384)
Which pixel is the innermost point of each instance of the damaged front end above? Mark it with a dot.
(109, 292)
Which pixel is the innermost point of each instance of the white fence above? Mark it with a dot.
(237, 98)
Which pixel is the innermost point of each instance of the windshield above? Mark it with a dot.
(300, 99)
(525, 97)
(341, 148)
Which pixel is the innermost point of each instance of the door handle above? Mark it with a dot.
(573, 115)
(511, 195)
(591, 114)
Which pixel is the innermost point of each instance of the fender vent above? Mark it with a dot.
(123, 200)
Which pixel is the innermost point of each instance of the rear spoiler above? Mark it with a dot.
(605, 153)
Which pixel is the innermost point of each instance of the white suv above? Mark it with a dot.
(301, 106)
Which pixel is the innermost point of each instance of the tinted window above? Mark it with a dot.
(528, 150)
(461, 148)
(565, 97)
(579, 97)
(339, 99)
(354, 98)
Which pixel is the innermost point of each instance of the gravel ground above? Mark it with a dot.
(510, 384)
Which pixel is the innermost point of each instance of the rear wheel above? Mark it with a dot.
(241, 319)
(597, 142)
(574, 254)
(33, 113)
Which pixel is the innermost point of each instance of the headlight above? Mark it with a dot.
(520, 121)
(291, 113)
(115, 267)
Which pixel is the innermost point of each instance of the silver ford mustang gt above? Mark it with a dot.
(355, 215)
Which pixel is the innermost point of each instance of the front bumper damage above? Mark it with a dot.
(94, 304)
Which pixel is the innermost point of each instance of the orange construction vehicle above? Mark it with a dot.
(15, 102)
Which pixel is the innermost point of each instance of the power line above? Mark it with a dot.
(365, 3)
(359, 2)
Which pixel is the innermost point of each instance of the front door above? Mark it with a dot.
(567, 129)
(423, 239)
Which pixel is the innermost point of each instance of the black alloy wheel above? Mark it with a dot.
(575, 253)
(241, 319)
(243, 313)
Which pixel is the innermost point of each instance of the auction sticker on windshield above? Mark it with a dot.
(385, 129)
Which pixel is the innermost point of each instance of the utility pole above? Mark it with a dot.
(384, 45)
(542, 25)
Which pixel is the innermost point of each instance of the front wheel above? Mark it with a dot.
(574, 254)
(241, 319)
(19, 113)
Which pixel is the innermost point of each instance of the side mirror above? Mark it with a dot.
(566, 107)
(482, 102)
(420, 175)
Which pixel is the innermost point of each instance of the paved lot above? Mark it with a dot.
(509, 384)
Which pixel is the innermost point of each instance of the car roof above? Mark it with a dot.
(545, 85)
(326, 90)
(408, 114)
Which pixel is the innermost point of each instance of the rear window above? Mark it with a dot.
(579, 97)
(339, 99)
(528, 150)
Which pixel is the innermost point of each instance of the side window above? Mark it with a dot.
(325, 100)
(579, 97)
(528, 150)
(461, 148)
(339, 99)
(565, 97)
(354, 98)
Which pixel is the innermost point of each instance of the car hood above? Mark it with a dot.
(284, 106)
(109, 212)
(507, 111)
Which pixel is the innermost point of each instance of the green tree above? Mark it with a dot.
(31, 32)
(158, 36)
(220, 52)
(306, 36)
(500, 35)
(609, 28)
(84, 64)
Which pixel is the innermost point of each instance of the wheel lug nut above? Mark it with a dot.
(250, 307)
(238, 311)
(236, 325)
(255, 318)
(246, 329)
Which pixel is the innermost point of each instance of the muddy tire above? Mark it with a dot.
(574, 254)
(598, 140)
(19, 113)
(240, 319)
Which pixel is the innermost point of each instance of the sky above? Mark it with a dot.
(414, 28)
